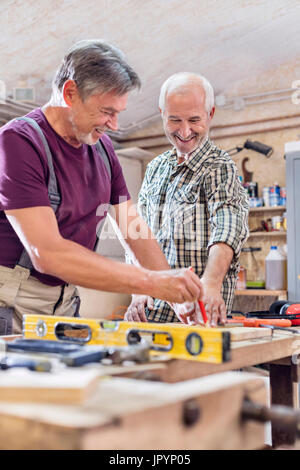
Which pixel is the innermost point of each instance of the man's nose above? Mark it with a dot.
(185, 130)
(112, 122)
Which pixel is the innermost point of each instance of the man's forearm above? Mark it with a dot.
(219, 259)
(52, 254)
(78, 265)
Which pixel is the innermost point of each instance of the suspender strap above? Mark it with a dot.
(102, 151)
(53, 192)
(54, 195)
(103, 154)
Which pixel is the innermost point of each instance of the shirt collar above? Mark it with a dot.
(195, 158)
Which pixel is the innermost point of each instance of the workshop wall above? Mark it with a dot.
(273, 123)
(266, 172)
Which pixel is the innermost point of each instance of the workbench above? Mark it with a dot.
(279, 352)
(74, 426)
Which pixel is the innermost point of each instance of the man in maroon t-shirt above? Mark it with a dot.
(90, 89)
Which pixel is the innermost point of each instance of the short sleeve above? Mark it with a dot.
(23, 176)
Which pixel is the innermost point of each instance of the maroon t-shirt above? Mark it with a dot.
(82, 178)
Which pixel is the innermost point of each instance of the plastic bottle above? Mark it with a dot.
(276, 270)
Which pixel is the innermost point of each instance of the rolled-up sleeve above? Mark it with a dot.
(228, 207)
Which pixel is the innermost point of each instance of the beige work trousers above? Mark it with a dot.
(26, 294)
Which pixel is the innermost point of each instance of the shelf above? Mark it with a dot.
(267, 209)
(278, 233)
(262, 292)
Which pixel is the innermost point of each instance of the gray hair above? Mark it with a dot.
(96, 67)
(180, 81)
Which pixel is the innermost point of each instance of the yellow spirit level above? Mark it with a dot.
(173, 339)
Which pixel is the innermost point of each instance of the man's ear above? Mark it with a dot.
(70, 92)
(211, 115)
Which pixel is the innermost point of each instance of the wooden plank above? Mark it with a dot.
(62, 386)
(244, 353)
(242, 333)
(263, 292)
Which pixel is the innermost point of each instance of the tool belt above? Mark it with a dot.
(17, 286)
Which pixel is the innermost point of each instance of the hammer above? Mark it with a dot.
(117, 355)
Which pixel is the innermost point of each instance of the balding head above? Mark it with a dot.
(184, 82)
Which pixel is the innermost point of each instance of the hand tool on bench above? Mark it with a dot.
(281, 309)
(63, 351)
(116, 355)
(34, 345)
(274, 327)
(257, 322)
(175, 340)
(75, 355)
(37, 365)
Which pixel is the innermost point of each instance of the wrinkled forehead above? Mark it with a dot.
(184, 99)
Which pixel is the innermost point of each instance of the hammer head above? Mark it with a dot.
(139, 353)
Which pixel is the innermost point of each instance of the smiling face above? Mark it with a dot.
(185, 119)
(91, 117)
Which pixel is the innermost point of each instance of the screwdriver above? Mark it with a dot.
(31, 364)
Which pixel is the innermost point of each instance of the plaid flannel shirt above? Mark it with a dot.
(191, 206)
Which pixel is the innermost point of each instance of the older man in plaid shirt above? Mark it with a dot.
(193, 202)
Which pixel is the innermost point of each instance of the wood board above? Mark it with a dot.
(62, 386)
(239, 332)
(243, 333)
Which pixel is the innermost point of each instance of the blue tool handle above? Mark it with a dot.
(42, 345)
(31, 364)
(80, 358)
